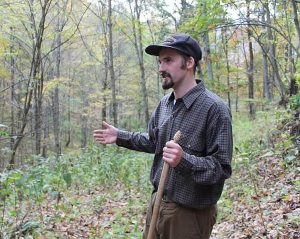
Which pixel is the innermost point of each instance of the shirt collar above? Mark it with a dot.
(191, 96)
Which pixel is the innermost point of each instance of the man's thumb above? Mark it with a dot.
(105, 125)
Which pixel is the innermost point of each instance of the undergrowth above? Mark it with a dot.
(49, 191)
(261, 198)
(103, 192)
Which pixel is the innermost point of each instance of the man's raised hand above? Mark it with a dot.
(106, 135)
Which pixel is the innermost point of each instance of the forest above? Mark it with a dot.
(68, 65)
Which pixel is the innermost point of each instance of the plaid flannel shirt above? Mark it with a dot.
(205, 122)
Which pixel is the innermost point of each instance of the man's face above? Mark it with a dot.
(171, 67)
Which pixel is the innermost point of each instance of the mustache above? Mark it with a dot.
(165, 74)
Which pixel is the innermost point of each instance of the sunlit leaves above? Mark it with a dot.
(204, 17)
(50, 85)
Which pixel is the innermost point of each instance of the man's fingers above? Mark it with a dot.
(172, 144)
(171, 150)
(98, 131)
(100, 140)
(168, 155)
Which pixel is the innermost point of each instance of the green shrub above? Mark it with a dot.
(295, 102)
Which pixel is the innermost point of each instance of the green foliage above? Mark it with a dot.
(295, 102)
(297, 74)
(207, 15)
(48, 180)
(116, 181)
(249, 134)
(3, 131)
(4, 73)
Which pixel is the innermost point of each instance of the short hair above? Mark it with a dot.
(185, 59)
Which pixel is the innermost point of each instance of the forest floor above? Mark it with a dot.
(107, 198)
(264, 201)
(261, 200)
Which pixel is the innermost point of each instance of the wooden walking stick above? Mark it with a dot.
(159, 194)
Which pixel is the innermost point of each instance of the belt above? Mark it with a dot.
(166, 199)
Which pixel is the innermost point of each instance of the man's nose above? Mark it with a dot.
(161, 67)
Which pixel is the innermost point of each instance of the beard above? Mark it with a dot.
(167, 83)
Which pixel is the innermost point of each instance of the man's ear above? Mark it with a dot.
(190, 63)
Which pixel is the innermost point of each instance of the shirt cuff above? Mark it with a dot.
(184, 167)
(123, 137)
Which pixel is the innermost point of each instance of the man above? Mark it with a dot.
(200, 161)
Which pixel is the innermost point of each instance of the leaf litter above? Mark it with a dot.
(264, 205)
(261, 203)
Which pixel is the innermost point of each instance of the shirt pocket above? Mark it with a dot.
(193, 143)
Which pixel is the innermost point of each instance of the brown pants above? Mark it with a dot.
(176, 222)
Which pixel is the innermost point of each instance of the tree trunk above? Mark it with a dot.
(206, 48)
(84, 122)
(38, 97)
(267, 87)
(55, 96)
(56, 122)
(13, 92)
(2, 100)
(237, 93)
(104, 79)
(111, 65)
(266, 79)
(104, 89)
(142, 68)
(225, 46)
(296, 20)
(199, 70)
(292, 68)
(293, 90)
(137, 32)
(158, 78)
(206, 56)
(250, 69)
(46, 116)
(272, 57)
(251, 80)
(68, 137)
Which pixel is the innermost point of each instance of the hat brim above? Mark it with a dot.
(155, 49)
